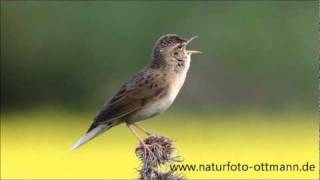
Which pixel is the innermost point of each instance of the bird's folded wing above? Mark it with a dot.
(130, 98)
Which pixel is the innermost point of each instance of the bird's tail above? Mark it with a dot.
(90, 135)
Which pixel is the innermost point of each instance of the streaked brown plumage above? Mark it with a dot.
(149, 92)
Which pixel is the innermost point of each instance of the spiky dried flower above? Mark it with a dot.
(160, 152)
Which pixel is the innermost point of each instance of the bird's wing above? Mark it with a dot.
(131, 97)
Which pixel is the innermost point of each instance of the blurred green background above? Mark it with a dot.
(76, 54)
(250, 97)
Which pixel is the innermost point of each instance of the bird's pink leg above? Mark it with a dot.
(141, 129)
(144, 145)
(130, 126)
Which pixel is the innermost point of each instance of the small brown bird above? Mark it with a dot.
(150, 92)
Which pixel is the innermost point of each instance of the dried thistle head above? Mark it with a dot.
(160, 151)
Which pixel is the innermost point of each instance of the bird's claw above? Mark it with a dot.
(147, 150)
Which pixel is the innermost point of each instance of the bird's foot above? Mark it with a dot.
(147, 150)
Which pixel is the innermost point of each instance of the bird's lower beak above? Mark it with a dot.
(192, 51)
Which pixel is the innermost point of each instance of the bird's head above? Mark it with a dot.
(171, 48)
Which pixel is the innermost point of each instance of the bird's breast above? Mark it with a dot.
(162, 103)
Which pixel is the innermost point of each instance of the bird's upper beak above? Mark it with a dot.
(192, 51)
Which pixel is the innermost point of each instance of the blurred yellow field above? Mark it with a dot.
(36, 145)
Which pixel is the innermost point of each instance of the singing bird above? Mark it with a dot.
(148, 93)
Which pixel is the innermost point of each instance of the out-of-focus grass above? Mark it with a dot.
(36, 144)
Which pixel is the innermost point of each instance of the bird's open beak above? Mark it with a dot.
(192, 51)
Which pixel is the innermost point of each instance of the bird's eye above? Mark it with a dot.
(175, 53)
(180, 47)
